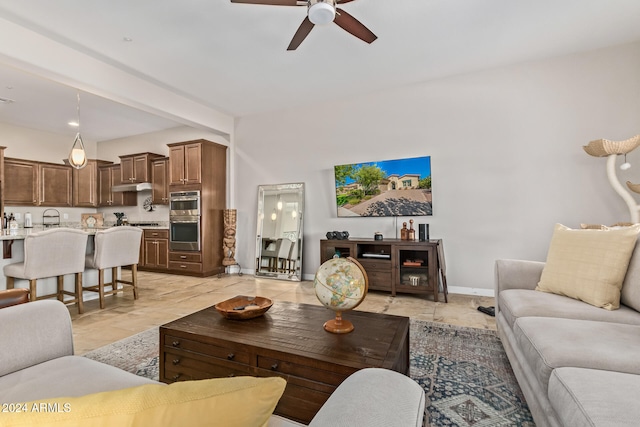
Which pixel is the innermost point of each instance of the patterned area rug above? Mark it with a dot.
(464, 372)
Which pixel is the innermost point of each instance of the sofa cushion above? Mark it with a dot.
(65, 376)
(589, 265)
(241, 401)
(549, 343)
(588, 397)
(630, 294)
(516, 303)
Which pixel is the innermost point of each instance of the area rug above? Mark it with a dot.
(464, 371)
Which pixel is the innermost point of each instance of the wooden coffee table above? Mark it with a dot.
(288, 341)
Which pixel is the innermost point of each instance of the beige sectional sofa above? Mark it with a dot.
(37, 362)
(577, 365)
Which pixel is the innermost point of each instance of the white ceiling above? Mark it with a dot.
(232, 57)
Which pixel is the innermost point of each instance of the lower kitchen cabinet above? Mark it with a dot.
(155, 249)
(188, 262)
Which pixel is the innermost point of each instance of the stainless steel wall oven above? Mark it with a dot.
(184, 221)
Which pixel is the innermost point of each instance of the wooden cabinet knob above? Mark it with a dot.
(176, 343)
(176, 361)
(231, 356)
(274, 367)
(176, 376)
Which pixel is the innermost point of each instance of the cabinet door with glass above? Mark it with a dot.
(417, 268)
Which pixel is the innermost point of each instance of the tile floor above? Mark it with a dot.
(165, 297)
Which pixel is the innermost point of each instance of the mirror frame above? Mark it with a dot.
(278, 190)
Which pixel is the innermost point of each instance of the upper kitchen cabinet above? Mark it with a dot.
(108, 177)
(137, 167)
(185, 162)
(160, 181)
(85, 183)
(21, 182)
(29, 183)
(56, 182)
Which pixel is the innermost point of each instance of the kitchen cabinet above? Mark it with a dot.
(160, 181)
(21, 182)
(156, 249)
(2, 179)
(185, 163)
(86, 184)
(137, 167)
(29, 183)
(201, 165)
(56, 182)
(108, 176)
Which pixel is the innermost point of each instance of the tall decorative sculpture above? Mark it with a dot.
(610, 150)
(229, 238)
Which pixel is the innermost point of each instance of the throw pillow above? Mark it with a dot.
(241, 401)
(589, 265)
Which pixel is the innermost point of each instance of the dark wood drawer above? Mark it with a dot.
(194, 369)
(375, 265)
(185, 266)
(174, 344)
(379, 280)
(156, 234)
(185, 256)
(299, 370)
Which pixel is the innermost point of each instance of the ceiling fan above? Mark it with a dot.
(320, 12)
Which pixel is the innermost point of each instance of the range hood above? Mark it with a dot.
(140, 186)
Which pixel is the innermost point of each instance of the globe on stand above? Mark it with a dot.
(340, 284)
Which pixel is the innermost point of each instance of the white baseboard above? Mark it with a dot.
(471, 291)
(452, 289)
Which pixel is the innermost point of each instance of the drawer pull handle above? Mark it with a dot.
(176, 361)
(231, 356)
(231, 375)
(176, 376)
(183, 266)
(274, 367)
(183, 257)
(176, 343)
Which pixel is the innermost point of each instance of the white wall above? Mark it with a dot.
(155, 142)
(507, 161)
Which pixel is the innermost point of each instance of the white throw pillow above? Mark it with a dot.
(589, 265)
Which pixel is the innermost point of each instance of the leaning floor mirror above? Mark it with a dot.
(279, 236)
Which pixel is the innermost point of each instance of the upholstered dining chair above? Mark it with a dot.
(51, 253)
(283, 254)
(115, 247)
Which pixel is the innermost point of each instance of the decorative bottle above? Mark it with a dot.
(404, 233)
(412, 231)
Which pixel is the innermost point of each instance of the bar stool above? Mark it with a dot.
(51, 253)
(115, 247)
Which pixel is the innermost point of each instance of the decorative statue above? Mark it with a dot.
(229, 239)
(611, 150)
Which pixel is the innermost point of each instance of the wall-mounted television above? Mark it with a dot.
(399, 187)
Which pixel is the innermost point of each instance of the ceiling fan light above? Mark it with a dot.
(321, 13)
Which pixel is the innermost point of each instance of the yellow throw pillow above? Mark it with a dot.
(589, 265)
(241, 401)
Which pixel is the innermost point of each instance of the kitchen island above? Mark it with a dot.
(13, 251)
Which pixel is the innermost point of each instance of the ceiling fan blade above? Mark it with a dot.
(303, 31)
(344, 1)
(353, 26)
(273, 2)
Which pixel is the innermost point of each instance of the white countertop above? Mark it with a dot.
(21, 233)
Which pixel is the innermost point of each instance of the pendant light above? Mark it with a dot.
(78, 155)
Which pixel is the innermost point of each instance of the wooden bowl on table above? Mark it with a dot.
(244, 307)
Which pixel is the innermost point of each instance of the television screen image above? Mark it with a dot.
(387, 188)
